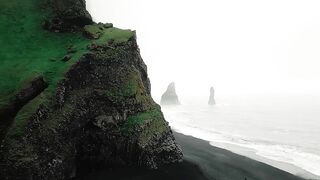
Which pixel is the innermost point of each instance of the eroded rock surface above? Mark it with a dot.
(70, 15)
(101, 114)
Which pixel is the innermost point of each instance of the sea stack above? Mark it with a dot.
(211, 98)
(170, 97)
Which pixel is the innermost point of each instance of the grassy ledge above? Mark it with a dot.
(27, 51)
(106, 33)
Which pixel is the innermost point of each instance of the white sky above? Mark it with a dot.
(237, 46)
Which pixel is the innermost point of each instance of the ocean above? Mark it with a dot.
(282, 131)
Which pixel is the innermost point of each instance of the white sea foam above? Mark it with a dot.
(265, 136)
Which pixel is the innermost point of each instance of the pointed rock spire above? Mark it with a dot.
(211, 98)
(170, 97)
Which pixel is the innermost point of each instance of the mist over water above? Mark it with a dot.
(280, 128)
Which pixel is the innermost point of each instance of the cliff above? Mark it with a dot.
(170, 97)
(74, 94)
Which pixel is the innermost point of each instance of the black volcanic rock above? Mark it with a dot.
(69, 15)
(100, 113)
(211, 98)
(170, 97)
(30, 90)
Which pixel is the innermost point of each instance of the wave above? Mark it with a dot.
(278, 152)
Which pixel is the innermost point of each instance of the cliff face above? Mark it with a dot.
(170, 97)
(69, 15)
(100, 113)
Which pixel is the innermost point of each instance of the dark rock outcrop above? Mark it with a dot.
(101, 114)
(30, 90)
(170, 97)
(211, 98)
(69, 15)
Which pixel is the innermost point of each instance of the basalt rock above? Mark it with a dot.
(69, 15)
(170, 97)
(100, 114)
(30, 90)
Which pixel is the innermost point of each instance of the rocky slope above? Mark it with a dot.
(170, 97)
(99, 113)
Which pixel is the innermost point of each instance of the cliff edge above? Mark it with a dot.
(74, 94)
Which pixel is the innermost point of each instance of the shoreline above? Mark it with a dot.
(218, 163)
(286, 156)
(202, 161)
(251, 153)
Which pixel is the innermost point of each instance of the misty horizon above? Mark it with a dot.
(237, 47)
(143, 89)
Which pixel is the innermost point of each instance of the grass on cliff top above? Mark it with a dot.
(116, 35)
(106, 33)
(26, 50)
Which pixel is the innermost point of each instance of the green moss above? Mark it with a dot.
(26, 49)
(106, 33)
(140, 118)
(153, 119)
(156, 127)
(93, 29)
(96, 30)
(114, 34)
(130, 86)
(27, 80)
(27, 111)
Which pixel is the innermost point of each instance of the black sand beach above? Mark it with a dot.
(221, 164)
(201, 162)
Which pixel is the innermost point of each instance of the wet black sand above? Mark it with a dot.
(201, 162)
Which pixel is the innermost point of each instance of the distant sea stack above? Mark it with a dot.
(211, 98)
(170, 97)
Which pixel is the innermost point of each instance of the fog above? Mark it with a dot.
(239, 47)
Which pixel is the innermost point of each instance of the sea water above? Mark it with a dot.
(276, 129)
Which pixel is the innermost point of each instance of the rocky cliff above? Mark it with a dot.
(170, 97)
(78, 100)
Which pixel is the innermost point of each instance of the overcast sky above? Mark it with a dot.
(237, 46)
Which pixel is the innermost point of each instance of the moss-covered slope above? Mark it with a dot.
(73, 93)
(28, 51)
